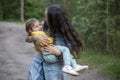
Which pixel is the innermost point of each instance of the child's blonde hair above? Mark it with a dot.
(29, 24)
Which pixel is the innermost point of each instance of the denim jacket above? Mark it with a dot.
(41, 70)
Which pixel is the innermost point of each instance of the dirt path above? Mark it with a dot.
(16, 55)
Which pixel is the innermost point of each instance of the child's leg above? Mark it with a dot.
(66, 55)
(50, 58)
(73, 61)
(67, 58)
(76, 66)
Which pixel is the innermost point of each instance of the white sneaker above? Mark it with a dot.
(69, 70)
(80, 67)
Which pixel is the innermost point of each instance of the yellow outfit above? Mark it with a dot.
(51, 40)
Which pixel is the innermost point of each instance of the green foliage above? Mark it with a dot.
(111, 68)
(95, 21)
(9, 9)
(91, 20)
(35, 8)
(106, 64)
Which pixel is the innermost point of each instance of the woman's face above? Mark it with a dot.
(46, 17)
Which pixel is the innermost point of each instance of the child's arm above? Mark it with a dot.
(30, 39)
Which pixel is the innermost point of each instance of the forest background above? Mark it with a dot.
(97, 22)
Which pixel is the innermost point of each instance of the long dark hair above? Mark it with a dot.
(59, 23)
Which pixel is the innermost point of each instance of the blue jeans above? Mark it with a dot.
(68, 59)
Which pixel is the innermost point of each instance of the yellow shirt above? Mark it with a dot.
(51, 40)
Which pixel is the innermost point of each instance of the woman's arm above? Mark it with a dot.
(53, 50)
(38, 39)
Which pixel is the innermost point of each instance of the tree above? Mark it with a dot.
(107, 26)
(65, 4)
(22, 10)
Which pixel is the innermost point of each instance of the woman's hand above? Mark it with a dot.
(38, 39)
(41, 40)
(40, 49)
(53, 50)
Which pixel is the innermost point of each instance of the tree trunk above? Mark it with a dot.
(22, 10)
(107, 26)
(65, 5)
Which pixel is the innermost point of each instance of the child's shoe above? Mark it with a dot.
(68, 69)
(80, 67)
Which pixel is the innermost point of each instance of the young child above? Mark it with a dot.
(33, 27)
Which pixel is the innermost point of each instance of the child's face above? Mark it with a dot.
(37, 26)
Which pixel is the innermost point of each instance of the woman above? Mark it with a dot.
(59, 27)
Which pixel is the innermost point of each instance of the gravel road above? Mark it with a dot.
(15, 53)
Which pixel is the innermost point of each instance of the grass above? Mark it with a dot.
(106, 64)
